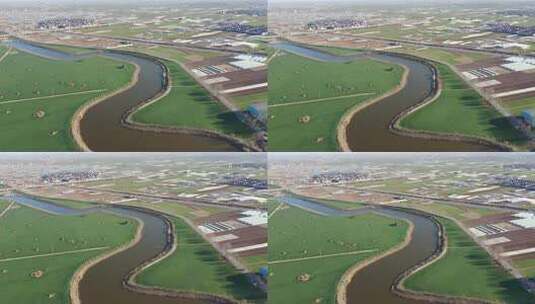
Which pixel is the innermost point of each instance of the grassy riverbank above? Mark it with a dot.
(191, 106)
(467, 270)
(322, 248)
(461, 110)
(196, 266)
(308, 98)
(38, 97)
(65, 241)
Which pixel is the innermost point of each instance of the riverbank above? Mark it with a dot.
(37, 116)
(108, 114)
(128, 121)
(309, 97)
(132, 283)
(347, 277)
(400, 289)
(396, 255)
(369, 128)
(74, 285)
(81, 112)
(396, 127)
(488, 132)
(341, 133)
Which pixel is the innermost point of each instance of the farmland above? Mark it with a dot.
(196, 266)
(486, 280)
(27, 233)
(38, 97)
(309, 253)
(308, 98)
(478, 118)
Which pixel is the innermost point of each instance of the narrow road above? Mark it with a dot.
(7, 209)
(53, 96)
(5, 54)
(323, 256)
(318, 100)
(54, 254)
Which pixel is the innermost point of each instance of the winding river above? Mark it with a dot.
(373, 283)
(104, 282)
(369, 129)
(103, 129)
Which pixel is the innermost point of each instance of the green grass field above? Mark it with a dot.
(171, 53)
(189, 105)
(177, 209)
(30, 84)
(467, 270)
(296, 234)
(517, 106)
(27, 232)
(461, 110)
(526, 267)
(330, 90)
(243, 101)
(197, 266)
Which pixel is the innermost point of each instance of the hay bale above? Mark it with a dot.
(304, 119)
(303, 278)
(39, 114)
(37, 274)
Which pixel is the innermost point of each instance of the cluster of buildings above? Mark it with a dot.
(64, 23)
(69, 176)
(339, 177)
(333, 24)
(516, 182)
(518, 12)
(506, 28)
(243, 181)
(243, 28)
